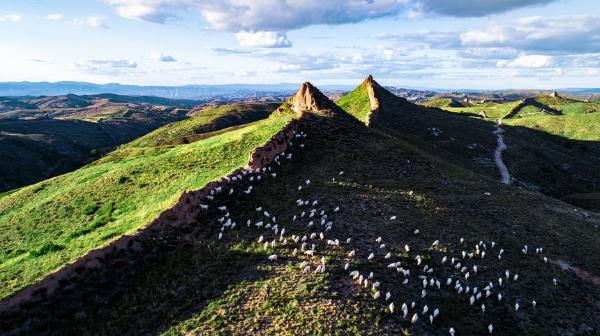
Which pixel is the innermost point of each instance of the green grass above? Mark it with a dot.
(437, 102)
(356, 103)
(580, 120)
(570, 126)
(51, 223)
(178, 133)
(492, 110)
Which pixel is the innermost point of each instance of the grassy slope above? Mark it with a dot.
(537, 160)
(188, 282)
(437, 102)
(578, 122)
(356, 103)
(571, 126)
(48, 224)
(492, 110)
(181, 132)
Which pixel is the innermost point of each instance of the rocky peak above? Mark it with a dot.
(372, 87)
(309, 98)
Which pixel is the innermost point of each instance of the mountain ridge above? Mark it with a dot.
(347, 215)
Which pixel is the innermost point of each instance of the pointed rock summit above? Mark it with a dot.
(372, 86)
(309, 98)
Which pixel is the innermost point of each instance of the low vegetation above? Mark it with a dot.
(354, 103)
(48, 224)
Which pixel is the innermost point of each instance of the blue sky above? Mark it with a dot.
(485, 44)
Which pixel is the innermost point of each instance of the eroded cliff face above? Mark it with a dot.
(185, 212)
(370, 85)
(310, 99)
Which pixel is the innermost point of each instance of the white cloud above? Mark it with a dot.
(559, 34)
(489, 53)
(94, 21)
(527, 61)
(262, 39)
(106, 66)
(425, 39)
(261, 15)
(10, 17)
(158, 56)
(491, 35)
(244, 73)
(470, 8)
(55, 17)
(283, 15)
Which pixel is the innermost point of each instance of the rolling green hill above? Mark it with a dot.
(48, 136)
(206, 123)
(540, 160)
(442, 102)
(48, 224)
(367, 188)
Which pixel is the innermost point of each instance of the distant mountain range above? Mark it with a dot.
(197, 92)
(236, 92)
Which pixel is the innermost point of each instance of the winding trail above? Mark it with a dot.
(505, 175)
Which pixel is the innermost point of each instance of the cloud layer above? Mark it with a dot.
(158, 56)
(94, 21)
(269, 19)
(470, 8)
(10, 18)
(105, 66)
(262, 39)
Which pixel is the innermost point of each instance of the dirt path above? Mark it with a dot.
(505, 175)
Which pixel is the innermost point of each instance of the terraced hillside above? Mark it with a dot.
(349, 231)
(538, 160)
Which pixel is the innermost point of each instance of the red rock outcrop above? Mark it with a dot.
(310, 99)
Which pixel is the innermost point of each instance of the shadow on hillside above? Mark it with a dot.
(37, 149)
(551, 164)
(173, 276)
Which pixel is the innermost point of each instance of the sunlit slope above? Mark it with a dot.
(356, 103)
(578, 120)
(48, 224)
(205, 123)
(565, 117)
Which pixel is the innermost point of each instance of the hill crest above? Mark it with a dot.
(310, 99)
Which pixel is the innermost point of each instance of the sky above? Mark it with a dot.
(449, 44)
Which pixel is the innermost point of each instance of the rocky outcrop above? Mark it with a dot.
(310, 99)
(264, 155)
(370, 84)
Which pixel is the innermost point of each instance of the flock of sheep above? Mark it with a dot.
(458, 268)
